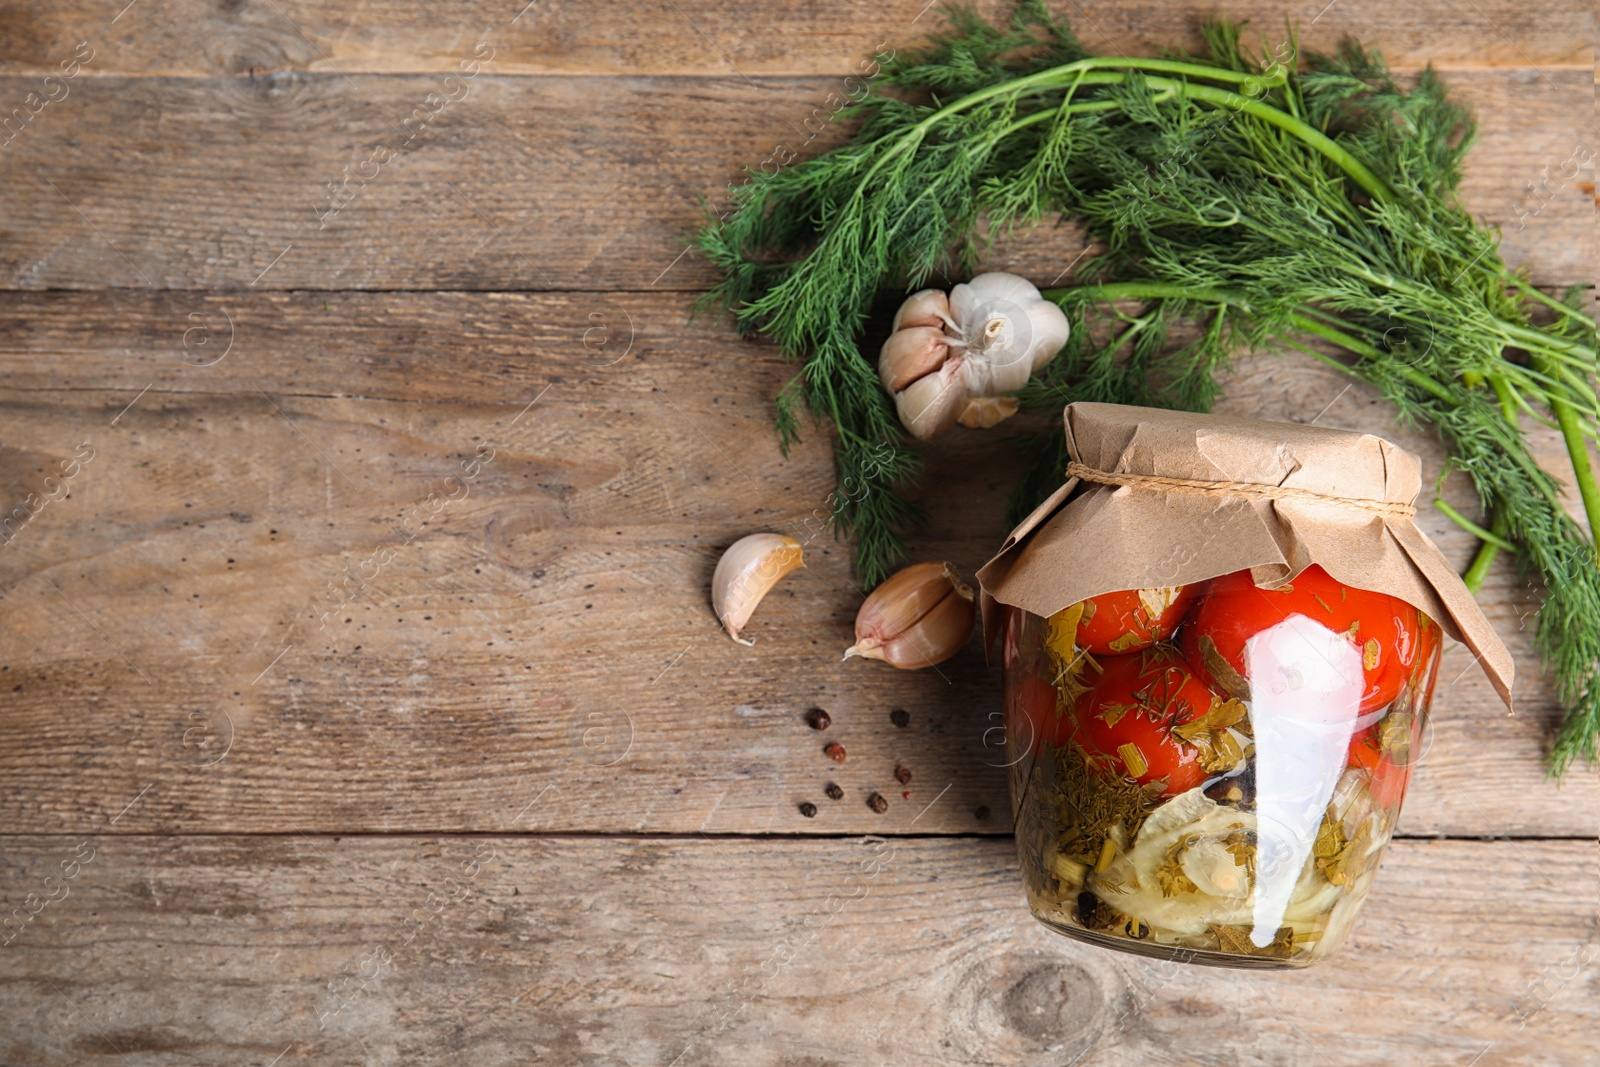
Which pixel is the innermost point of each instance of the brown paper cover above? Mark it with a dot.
(1088, 539)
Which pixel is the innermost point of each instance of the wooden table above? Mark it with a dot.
(361, 699)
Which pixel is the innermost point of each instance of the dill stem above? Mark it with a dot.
(1474, 575)
(1486, 536)
(1375, 186)
(1582, 471)
(1552, 302)
(1061, 77)
(1554, 344)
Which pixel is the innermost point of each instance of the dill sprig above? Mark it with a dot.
(1259, 202)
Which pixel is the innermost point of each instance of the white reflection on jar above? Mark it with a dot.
(1306, 684)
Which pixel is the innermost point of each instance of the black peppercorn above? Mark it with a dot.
(900, 718)
(834, 792)
(834, 751)
(808, 809)
(982, 812)
(818, 719)
(902, 774)
(877, 803)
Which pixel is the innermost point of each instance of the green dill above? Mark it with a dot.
(1300, 201)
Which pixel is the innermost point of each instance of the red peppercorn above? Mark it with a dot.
(818, 719)
(834, 751)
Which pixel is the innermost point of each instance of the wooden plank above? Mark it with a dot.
(546, 640)
(718, 37)
(542, 183)
(499, 951)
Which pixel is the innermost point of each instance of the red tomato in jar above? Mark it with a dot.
(1387, 779)
(1126, 719)
(1030, 699)
(1384, 630)
(1132, 619)
(1031, 718)
(1426, 667)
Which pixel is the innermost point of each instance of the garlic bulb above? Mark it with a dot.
(747, 570)
(920, 616)
(952, 358)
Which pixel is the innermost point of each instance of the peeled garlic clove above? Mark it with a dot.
(921, 616)
(930, 405)
(747, 570)
(910, 353)
(983, 412)
(930, 307)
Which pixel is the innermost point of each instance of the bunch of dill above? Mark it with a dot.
(1261, 203)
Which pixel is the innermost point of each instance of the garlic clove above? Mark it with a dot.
(938, 635)
(1050, 330)
(902, 599)
(930, 307)
(910, 353)
(984, 412)
(996, 288)
(746, 572)
(931, 404)
(997, 370)
(921, 616)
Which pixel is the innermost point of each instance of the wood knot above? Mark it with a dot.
(1026, 1004)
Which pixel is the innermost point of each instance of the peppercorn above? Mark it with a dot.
(834, 792)
(877, 803)
(808, 809)
(902, 774)
(900, 718)
(834, 751)
(818, 719)
(982, 812)
(1094, 913)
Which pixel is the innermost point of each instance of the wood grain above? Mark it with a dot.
(535, 660)
(661, 951)
(548, 635)
(718, 37)
(559, 183)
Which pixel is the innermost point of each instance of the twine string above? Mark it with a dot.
(1241, 490)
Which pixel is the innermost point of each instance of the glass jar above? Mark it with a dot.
(1210, 772)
